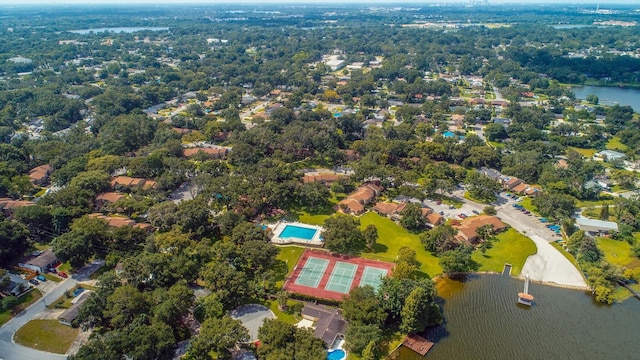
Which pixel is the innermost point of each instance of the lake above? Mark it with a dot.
(484, 321)
(118, 30)
(610, 95)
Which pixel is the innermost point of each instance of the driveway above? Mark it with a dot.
(11, 351)
(548, 265)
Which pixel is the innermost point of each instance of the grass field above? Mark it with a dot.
(510, 247)
(584, 152)
(46, 335)
(25, 301)
(615, 144)
(290, 255)
(618, 253)
(391, 237)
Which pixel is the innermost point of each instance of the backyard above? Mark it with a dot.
(391, 237)
(509, 247)
(46, 335)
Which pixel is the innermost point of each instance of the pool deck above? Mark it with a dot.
(279, 227)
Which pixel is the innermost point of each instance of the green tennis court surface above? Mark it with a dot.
(372, 276)
(341, 277)
(312, 272)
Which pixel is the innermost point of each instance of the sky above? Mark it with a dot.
(233, 2)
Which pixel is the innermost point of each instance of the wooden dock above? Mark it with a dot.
(524, 297)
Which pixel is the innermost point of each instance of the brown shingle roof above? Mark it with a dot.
(10, 204)
(110, 197)
(40, 173)
(213, 152)
(435, 219)
(469, 226)
(330, 322)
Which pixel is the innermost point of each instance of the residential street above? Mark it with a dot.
(12, 351)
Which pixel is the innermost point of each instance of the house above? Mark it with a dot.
(458, 120)
(434, 219)
(502, 121)
(326, 179)
(329, 323)
(119, 221)
(608, 156)
(7, 205)
(129, 182)
(468, 228)
(40, 175)
(562, 164)
(67, 317)
(212, 153)
(596, 227)
(389, 209)
(39, 261)
(508, 183)
(16, 285)
(354, 203)
(108, 198)
(494, 174)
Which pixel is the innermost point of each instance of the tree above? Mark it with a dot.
(495, 132)
(9, 302)
(342, 235)
(489, 210)
(482, 187)
(412, 218)
(362, 305)
(359, 335)
(217, 335)
(124, 304)
(592, 99)
(554, 204)
(419, 311)
(280, 340)
(440, 239)
(604, 212)
(14, 240)
(458, 261)
(370, 234)
(406, 264)
(370, 352)
(313, 194)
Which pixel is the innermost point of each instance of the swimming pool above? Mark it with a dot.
(298, 232)
(337, 354)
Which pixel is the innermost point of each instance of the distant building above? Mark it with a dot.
(16, 286)
(608, 155)
(40, 175)
(468, 229)
(593, 226)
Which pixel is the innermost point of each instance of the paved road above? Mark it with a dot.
(12, 351)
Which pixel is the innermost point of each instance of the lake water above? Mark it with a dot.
(610, 95)
(118, 30)
(484, 321)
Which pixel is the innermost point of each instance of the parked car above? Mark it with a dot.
(438, 202)
(462, 216)
(63, 274)
(476, 212)
(441, 212)
(34, 281)
(41, 278)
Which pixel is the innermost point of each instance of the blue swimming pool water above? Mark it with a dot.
(336, 355)
(292, 231)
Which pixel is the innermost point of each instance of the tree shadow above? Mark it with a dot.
(380, 248)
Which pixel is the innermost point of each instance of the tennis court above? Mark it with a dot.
(341, 277)
(323, 275)
(312, 272)
(372, 276)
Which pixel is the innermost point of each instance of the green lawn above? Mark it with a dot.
(618, 253)
(46, 335)
(526, 203)
(584, 152)
(615, 144)
(391, 237)
(290, 255)
(25, 301)
(51, 277)
(307, 218)
(510, 247)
